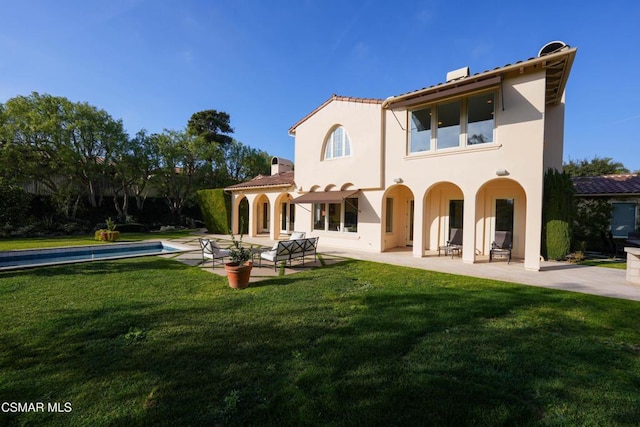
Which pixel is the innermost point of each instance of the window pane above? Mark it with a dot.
(351, 215)
(480, 119)
(347, 145)
(623, 219)
(455, 213)
(334, 216)
(389, 220)
(504, 215)
(337, 142)
(319, 215)
(420, 131)
(327, 151)
(449, 125)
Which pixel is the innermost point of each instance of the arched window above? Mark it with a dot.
(338, 144)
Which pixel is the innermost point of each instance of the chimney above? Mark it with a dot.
(279, 165)
(460, 73)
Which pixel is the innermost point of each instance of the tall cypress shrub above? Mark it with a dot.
(557, 214)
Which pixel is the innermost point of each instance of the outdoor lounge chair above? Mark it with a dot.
(454, 244)
(501, 246)
(211, 250)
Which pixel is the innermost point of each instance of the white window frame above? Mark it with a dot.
(330, 145)
(342, 205)
(463, 124)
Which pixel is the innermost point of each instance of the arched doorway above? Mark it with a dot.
(501, 205)
(263, 215)
(444, 211)
(287, 214)
(397, 217)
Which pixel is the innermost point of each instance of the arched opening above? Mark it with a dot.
(397, 217)
(286, 213)
(262, 214)
(501, 205)
(444, 211)
(243, 216)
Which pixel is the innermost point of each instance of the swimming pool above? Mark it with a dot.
(28, 258)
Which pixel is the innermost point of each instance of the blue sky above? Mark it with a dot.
(153, 63)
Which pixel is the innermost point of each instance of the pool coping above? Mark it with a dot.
(21, 253)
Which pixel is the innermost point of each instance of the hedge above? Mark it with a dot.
(215, 206)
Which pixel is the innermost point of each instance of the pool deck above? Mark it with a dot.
(565, 276)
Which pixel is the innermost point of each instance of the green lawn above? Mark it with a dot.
(609, 263)
(154, 342)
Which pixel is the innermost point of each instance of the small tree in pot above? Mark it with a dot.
(239, 268)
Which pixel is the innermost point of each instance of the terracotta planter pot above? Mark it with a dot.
(109, 235)
(238, 275)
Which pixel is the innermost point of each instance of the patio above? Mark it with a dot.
(554, 275)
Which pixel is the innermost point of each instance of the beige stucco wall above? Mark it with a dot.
(554, 136)
(360, 170)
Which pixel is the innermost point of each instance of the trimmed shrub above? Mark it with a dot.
(14, 205)
(215, 206)
(557, 214)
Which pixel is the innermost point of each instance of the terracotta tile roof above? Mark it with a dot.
(334, 97)
(627, 184)
(283, 179)
(557, 66)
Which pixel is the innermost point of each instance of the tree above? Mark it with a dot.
(212, 125)
(594, 167)
(178, 157)
(62, 145)
(244, 162)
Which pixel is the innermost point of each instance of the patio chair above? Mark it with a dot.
(211, 250)
(501, 246)
(454, 244)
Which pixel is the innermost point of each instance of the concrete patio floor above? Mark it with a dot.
(555, 275)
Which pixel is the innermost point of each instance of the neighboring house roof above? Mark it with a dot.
(334, 97)
(608, 185)
(282, 179)
(557, 66)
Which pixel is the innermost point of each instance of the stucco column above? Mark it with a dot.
(469, 231)
(419, 244)
(274, 218)
(533, 231)
(252, 226)
(234, 213)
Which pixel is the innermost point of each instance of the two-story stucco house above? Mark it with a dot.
(469, 153)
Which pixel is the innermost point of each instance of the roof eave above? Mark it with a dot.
(256, 187)
(566, 55)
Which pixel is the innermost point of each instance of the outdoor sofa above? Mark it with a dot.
(288, 250)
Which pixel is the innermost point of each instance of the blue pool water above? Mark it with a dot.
(11, 260)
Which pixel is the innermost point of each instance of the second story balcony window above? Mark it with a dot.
(458, 123)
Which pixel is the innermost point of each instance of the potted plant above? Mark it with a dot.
(239, 268)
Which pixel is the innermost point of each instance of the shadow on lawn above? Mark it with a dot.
(340, 345)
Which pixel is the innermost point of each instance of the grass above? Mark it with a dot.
(608, 263)
(154, 342)
(50, 242)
